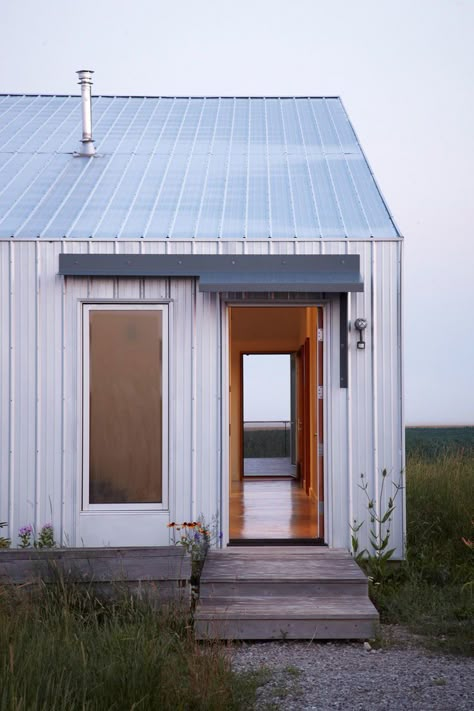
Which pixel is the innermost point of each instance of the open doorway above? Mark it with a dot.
(276, 427)
(268, 405)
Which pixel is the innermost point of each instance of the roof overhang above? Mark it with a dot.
(249, 272)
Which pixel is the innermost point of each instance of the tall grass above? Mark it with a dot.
(433, 590)
(62, 648)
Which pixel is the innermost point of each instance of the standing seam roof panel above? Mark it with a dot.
(184, 168)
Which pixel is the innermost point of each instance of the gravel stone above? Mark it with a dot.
(346, 675)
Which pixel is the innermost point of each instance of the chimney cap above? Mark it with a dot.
(84, 74)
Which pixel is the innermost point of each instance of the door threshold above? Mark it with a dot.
(277, 542)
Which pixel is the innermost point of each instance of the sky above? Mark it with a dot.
(262, 400)
(405, 72)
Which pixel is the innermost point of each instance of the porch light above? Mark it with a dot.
(360, 325)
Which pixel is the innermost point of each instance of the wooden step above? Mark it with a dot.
(286, 618)
(272, 574)
(283, 593)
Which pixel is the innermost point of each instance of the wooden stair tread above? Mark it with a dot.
(281, 570)
(283, 608)
(286, 552)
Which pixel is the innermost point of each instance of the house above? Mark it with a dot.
(141, 254)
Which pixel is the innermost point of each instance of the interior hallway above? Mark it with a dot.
(271, 508)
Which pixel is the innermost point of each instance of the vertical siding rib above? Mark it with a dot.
(5, 387)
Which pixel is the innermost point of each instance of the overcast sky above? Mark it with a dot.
(404, 70)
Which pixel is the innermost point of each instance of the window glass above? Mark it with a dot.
(125, 406)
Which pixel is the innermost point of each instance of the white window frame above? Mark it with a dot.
(118, 306)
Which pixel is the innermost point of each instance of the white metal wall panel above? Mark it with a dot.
(5, 383)
(73, 291)
(49, 387)
(208, 406)
(387, 366)
(182, 405)
(40, 478)
(23, 404)
(361, 412)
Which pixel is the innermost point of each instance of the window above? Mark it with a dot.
(125, 406)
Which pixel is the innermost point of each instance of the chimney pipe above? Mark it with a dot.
(87, 147)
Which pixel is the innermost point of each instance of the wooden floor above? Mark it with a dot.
(271, 508)
(269, 466)
(277, 592)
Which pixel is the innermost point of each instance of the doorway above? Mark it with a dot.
(268, 397)
(276, 427)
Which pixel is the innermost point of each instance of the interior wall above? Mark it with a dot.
(264, 329)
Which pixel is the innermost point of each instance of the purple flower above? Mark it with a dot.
(25, 531)
(47, 526)
(221, 535)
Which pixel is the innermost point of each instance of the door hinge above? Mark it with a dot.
(320, 392)
(320, 335)
(320, 449)
(321, 507)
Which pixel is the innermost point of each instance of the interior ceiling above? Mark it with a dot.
(268, 326)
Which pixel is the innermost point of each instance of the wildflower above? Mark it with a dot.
(25, 531)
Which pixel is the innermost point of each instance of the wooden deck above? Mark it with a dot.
(283, 593)
(271, 508)
(161, 573)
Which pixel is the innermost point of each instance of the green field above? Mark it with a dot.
(435, 441)
(432, 592)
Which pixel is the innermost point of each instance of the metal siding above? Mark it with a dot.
(49, 373)
(24, 384)
(208, 403)
(361, 396)
(363, 425)
(5, 384)
(73, 291)
(387, 367)
(182, 441)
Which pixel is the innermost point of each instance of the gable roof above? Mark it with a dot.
(183, 168)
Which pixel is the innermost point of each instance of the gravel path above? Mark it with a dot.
(349, 676)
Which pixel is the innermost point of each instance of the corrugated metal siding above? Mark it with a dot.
(185, 168)
(40, 399)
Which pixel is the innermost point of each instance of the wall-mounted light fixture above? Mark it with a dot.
(360, 325)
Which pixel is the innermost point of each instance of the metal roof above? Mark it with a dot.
(186, 167)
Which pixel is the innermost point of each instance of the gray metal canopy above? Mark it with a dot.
(315, 273)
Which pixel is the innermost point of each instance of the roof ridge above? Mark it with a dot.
(170, 96)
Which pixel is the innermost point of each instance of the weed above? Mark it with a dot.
(292, 670)
(4, 542)
(375, 561)
(430, 591)
(62, 647)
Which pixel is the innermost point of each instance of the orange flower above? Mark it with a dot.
(171, 525)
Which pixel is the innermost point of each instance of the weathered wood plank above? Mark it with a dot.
(285, 629)
(271, 588)
(294, 607)
(277, 570)
(82, 564)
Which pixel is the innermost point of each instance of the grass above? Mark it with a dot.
(62, 648)
(432, 592)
